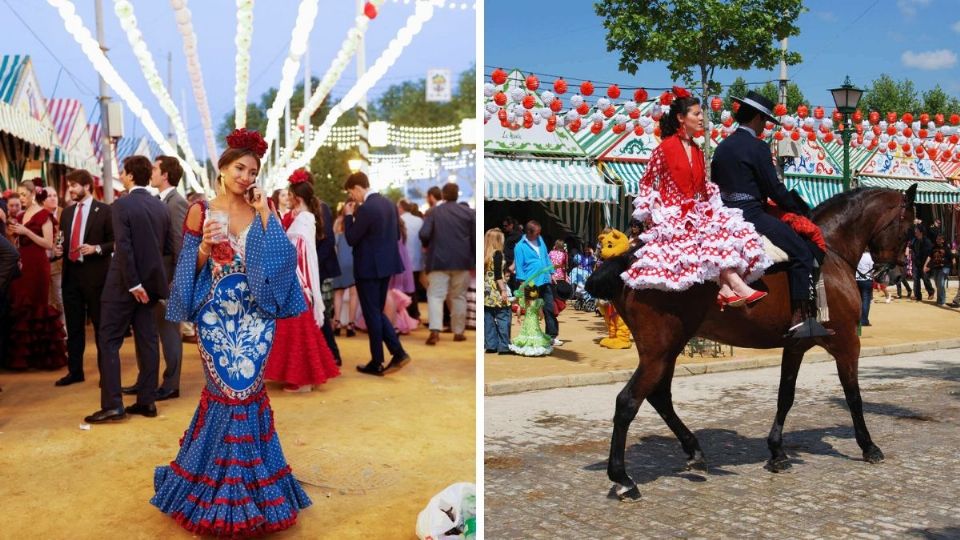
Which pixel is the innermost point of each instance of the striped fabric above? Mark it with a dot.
(628, 174)
(74, 150)
(927, 192)
(859, 156)
(132, 146)
(814, 190)
(11, 67)
(545, 180)
(23, 126)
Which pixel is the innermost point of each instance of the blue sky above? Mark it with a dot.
(448, 40)
(914, 39)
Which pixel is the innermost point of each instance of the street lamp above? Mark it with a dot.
(846, 98)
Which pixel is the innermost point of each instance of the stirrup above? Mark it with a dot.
(809, 328)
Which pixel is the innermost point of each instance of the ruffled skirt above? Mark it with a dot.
(693, 243)
(300, 354)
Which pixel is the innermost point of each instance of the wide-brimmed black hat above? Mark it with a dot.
(758, 103)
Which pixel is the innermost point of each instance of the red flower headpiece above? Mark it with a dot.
(299, 176)
(681, 92)
(666, 98)
(244, 139)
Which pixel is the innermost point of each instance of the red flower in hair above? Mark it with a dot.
(244, 139)
(299, 176)
(681, 92)
(666, 98)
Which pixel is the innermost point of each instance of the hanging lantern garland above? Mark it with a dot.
(91, 48)
(185, 26)
(128, 22)
(243, 39)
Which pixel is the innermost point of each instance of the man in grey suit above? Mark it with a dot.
(166, 176)
(448, 234)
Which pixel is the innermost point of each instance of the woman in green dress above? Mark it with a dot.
(531, 341)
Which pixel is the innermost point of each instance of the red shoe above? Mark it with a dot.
(732, 301)
(755, 297)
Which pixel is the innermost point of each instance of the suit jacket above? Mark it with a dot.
(98, 231)
(177, 208)
(744, 164)
(9, 257)
(373, 232)
(449, 233)
(141, 224)
(326, 248)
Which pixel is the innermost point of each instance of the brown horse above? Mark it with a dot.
(662, 323)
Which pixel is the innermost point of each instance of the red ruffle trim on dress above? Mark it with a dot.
(228, 480)
(251, 527)
(234, 502)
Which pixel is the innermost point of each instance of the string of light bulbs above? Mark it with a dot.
(424, 12)
(243, 41)
(185, 26)
(463, 6)
(128, 22)
(91, 48)
(306, 16)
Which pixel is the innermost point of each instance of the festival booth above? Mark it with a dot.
(75, 150)
(536, 170)
(28, 139)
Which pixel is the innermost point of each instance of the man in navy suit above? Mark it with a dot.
(329, 269)
(137, 279)
(743, 169)
(373, 231)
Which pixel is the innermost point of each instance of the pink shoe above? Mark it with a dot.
(297, 389)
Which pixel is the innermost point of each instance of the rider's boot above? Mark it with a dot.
(803, 324)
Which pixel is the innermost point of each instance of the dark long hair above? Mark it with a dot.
(668, 122)
(304, 190)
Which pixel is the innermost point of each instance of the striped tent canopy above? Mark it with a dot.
(12, 67)
(536, 140)
(21, 125)
(75, 149)
(950, 169)
(628, 174)
(610, 145)
(545, 180)
(814, 190)
(132, 146)
(859, 155)
(928, 192)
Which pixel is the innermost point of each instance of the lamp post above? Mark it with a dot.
(846, 98)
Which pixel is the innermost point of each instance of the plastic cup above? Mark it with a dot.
(223, 219)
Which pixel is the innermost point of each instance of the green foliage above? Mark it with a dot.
(937, 101)
(701, 34)
(885, 95)
(257, 113)
(330, 170)
(771, 91)
(393, 193)
(738, 88)
(406, 104)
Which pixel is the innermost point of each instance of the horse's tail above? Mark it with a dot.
(605, 282)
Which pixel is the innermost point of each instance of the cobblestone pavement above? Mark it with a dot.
(546, 457)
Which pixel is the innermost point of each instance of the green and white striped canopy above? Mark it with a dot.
(927, 192)
(629, 175)
(545, 180)
(814, 190)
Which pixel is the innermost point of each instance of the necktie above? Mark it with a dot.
(75, 234)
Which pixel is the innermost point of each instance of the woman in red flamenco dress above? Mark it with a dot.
(690, 236)
(300, 357)
(39, 336)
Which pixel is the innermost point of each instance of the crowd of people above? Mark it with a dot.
(264, 285)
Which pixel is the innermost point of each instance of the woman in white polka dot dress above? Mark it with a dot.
(230, 477)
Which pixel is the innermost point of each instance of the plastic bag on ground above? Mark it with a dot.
(452, 513)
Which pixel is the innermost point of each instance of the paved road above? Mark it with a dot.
(546, 452)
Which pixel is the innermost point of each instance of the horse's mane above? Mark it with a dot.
(842, 201)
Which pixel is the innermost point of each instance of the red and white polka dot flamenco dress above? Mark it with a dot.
(690, 235)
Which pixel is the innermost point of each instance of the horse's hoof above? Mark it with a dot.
(873, 455)
(628, 494)
(696, 464)
(778, 465)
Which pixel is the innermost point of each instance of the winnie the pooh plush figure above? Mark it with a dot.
(614, 243)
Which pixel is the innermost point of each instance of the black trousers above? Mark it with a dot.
(419, 295)
(800, 271)
(327, 330)
(118, 314)
(372, 294)
(79, 301)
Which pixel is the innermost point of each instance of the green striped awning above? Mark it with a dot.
(545, 180)
(927, 192)
(21, 125)
(814, 190)
(629, 174)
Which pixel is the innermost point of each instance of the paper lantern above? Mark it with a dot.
(619, 128)
(560, 86)
(613, 91)
(527, 119)
(907, 132)
(532, 83)
(716, 104)
(640, 95)
(795, 135)
(574, 126)
(924, 118)
(583, 108)
(502, 115)
(778, 135)
(528, 101)
(736, 106)
(596, 127)
(874, 117)
(828, 137)
(922, 133)
(818, 112)
(907, 118)
(609, 111)
(551, 127)
(892, 145)
(938, 119)
(500, 99)
(656, 132)
(811, 136)
(955, 118)
(837, 117)
(891, 117)
(666, 98)
(779, 109)
(635, 114)
(955, 138)
(586, 88)
(857, 116)
(370, 11)
(498, 76)
(556, 105)
(802, 111)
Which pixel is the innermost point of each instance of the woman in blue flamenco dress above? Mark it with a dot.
(230, 477)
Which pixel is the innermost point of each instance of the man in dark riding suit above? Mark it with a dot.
(743, 169)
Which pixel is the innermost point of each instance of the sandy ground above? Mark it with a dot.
(370, 452)
(901, 321)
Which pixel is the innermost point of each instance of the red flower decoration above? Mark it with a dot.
(222, 253)
(681, 92)
(299, 176)
(245, 139)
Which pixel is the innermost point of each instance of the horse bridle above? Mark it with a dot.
(879, 269)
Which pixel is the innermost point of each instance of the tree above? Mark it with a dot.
(701, 34)
(257, 113)
(738, 88)
(795, 97)
(887, 95)
(406, 104)
(937, 101)
(329, 169)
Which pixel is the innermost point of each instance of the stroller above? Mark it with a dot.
(582, 301)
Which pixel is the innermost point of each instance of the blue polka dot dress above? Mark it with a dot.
(230, 477)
